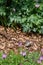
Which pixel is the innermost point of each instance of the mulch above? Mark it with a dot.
(9, 40)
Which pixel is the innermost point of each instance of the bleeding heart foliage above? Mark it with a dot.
(27, 14)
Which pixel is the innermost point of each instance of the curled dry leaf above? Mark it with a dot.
(10, 45)
(35, 47)
(2, 45)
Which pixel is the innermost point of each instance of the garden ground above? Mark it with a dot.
(18, 48)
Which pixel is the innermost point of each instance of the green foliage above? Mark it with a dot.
(22, 13)
(13, 59)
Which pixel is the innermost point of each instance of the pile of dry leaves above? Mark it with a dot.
(13, 40)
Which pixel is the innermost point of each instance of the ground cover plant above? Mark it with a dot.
(26, 14)
(21, 59)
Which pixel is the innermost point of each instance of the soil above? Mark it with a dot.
(9, 40)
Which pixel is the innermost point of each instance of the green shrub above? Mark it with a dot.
(22, 13)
